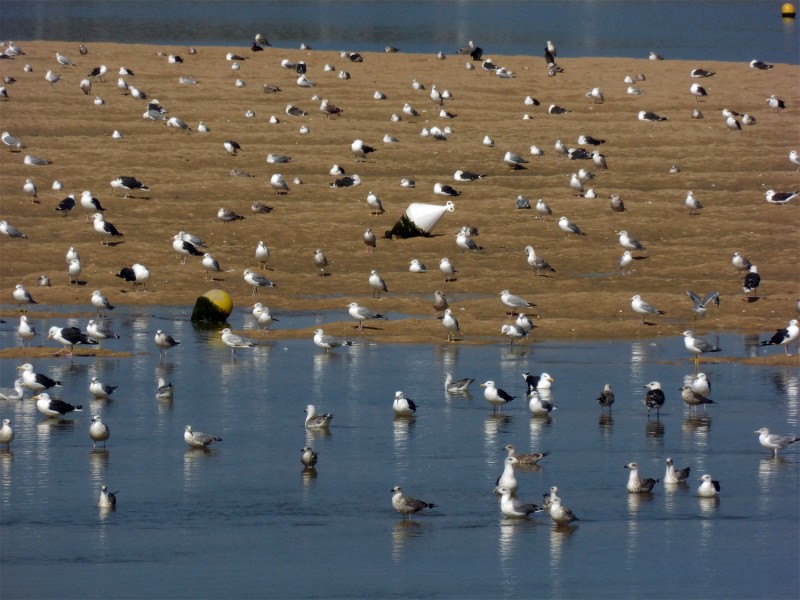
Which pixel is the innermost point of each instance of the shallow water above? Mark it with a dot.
(700, 29)
(243, 520)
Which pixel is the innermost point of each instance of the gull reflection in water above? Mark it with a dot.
(191, 462)
(606, 425)
(403, 532)
(510, 530)
(654, 430)
(495, 425)
(560, 536)
(98, 463)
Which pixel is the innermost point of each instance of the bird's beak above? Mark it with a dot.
(483, 385)
(550, 379)
(36, 397)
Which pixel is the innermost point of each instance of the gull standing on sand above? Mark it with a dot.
(628, 242)
(637, 485)
(105, 229)
(369, 239)
(377, 284)
(495, 396)
(329, 342)
(781, 337)
(450, 324)
(262, 254)
(406, 505)
(164, 342)
(751, 281)
(514, 302)
(673, 476)
(233, 341)
(447, 269)
(30, 188)
(362, 313)
(11, 231)
(315, 421)
(69, 337)
(256, 280)
(568, 227)
(740, 262)
(90, 203)
(654, 398)
(644, 308)
(320, 261)
(692, 203)
(513, 507)
(774, 441)
(98, 431)
(279, 184)
(415, 266)
(198, 439)
(536, 262)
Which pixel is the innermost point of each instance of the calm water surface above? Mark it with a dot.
(727, 30)
(243, 520)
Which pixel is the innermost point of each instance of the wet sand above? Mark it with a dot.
(586, 298)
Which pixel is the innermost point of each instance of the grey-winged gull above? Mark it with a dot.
(450, 324)
(700, 307)
(22, 296)
(6, 433)
(773, 441)
(644, 308)
(164, 341)
(456, 386)
(406, 505)
(98, 330)
(329, 342)
(698, 345)
(377, 284)
(673, 475)
(12, 232)
(198, 439)
(514, 508)
(362, 313)
(99, 431)
(538, 406)
(233, 341)
(568, 227)
(636, 484)
(256, 280)
(507, 479)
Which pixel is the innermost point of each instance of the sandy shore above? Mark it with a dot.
(587, 296)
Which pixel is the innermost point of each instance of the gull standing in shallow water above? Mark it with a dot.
(198, 439)
(315, 421)
(36, 382)
(513, 507)
(774, 441)
(495, 396)
(697, 345)
(507, 479)
(233, 341)
(15, 393)
(692, 398)
(107, 500)
(673, 475)
(164, 342)
(308, 457)
(637, 485)
(98, 431)
(98, 389)
(654, 398)
(606, 398)
(6, 433)
(377, 284)
(406, 505)
(329, 342)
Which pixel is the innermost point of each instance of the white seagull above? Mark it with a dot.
(98, 431)
(636, 484)
(697, 345)
(329, 342)
(450, 324)
(164, 342)
(233, 341)
(495, 396)
(53, 408)
(362, 313)
(256, 280)
(709, 488)
(568, 227)
(198, 439)
(402, 406)
(377, 284)
(514, 508)
(514, 302)
(781, 337)
(644, 308)
(773, 441)
(315, 421)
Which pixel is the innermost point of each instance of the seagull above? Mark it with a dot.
(775, 103)
(495, 396)
(362, 313)
(650, 116)
(25, 330)
(98, 331)
(164, 342)
(568, 227)
(256, 280)
(543, 209)
(164, 390)
(30, 188)
(329, 342)
(513, 332)
(315, 421)
(66, 205)
(98, 72)
(674, 476)
(456, 386)
(369, 239)
(262, 315)
(701, 306)
(560, 514)
(637, 485)
(450, 323)
(107, 500)
(52, 78)
(184, 248)
(406, 505)
(12, 394)
(523, 460)
(22, 296)
(512, 507)
(465, 242)
(262, 254)
(53, 408)
(226, 215)
(137, 274)
(538, 406)
(774, 441)
(105, 229)
(69, 337)
(523, 322)
(740, 262)
(210, 264)
(794, 158)
(709, 488)
(606, 398)
(654, 399)
(98, 431)
(445, 190)
(233, 341)
(774, 197)
(536, 262)
(700, 384)
(628, 242)
(374, 203)
(595, 95)
(507, 479)
(698, 91)
(692, 203)
(13, 143)
(751, 281)
(470, 176)
(514, 160)
(439, 301)
(377, 284)
(692, 398)
(198, 439)
(129, 184)
(644, 308)
(360, 150)
(534, 382)
(733, 124)
(308, 457)
(415, 266)
(781, 337)
(402, 406)
(514, 302)
(232, 147)
(12, 232)
(350, 181)
(36, 382)
(697, 345)
(447, 269)
(6, 433)
(90, 203)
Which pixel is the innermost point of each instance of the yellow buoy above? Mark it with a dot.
(214, 306)
(788, 11)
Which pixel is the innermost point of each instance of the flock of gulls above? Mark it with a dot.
(695, 391)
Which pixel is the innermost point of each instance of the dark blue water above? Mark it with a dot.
(726, 30)
(243, 521)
